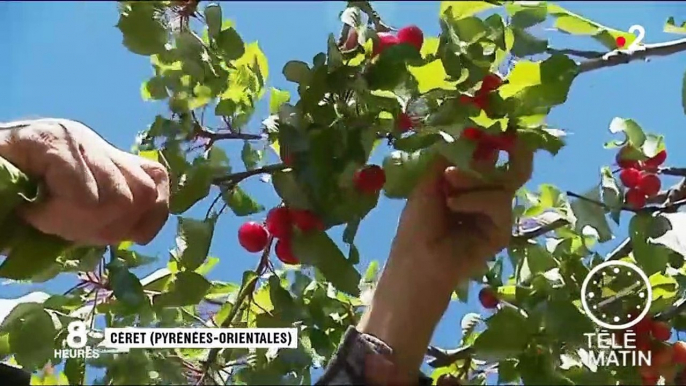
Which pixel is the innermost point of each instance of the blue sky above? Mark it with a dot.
(65, 59)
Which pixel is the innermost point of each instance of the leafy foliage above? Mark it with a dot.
(348, 101)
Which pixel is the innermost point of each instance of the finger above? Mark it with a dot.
(521, 165)
(430, 184)
(114, 194)
(143, 191)
(495, 208)
(154, 219)
(67, 175)
(66, 219)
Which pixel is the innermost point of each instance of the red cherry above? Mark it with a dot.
(656, 160)
(385, 40)
(481, 101)
(661, 331)
(411, 35)
(650, 380)
(643, 342)
(404, 122)
(253, 236)
(351, 41)
(488, 298)
(661, 356)
(284, 252)
(505, 141)
(679, 353)
(649, 184)
(472, 133)
(644, 327)
(624, 163)
(491, 82)
(306, 221)
(485, 151)
(635, 198)
(466, 99)
(630, 177)
(369, 179)
(279, 222)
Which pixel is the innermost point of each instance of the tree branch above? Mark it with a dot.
(245, 292)
(617, 57)
(235, 178)
(670, 171)
(678, 307)
(213, 136)
(579, 53)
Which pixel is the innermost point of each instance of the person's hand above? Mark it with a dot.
(96, 194)
(454, 221)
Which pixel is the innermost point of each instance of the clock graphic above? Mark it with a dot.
(616, 295)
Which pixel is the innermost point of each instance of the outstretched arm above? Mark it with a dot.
(450, 226)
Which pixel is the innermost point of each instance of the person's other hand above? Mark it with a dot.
(454, 221)
(96, 193)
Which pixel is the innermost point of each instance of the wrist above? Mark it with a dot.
(407, 305)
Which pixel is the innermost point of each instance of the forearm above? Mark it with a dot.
(407, 305)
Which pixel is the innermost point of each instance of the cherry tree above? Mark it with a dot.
(467, 93)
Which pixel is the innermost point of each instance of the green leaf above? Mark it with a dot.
(403, 172)
(125, 285)
(526, 44)
(565, 322)
(508, 333)
(535, 87)
(32, 340)
(188, 289)
(634, 133)
(277, 98)
(193, 241)
(32, 253)
(527, 15)
(672, 28)
(154, 89)
(75, 370)
(318, 250)
(230, 44)
(574, 24)
(142, 28)
(250, 156)
(431, 76)
(650, 257)
(612, 195)
(290, 191)
(213, 18)
(460, 9)
(240, 202)
(297, 72)
(195, 186)
(591, 214)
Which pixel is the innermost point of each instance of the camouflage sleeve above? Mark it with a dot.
(347, 367)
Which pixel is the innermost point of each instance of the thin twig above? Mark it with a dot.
(240, 176)
(540, 230)
(244, 293)
(374, 17)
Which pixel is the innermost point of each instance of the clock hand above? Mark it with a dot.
(619, 295)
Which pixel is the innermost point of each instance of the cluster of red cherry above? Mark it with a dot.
(490, 83)
(653, 336)
(254, 236)
(640, 177)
